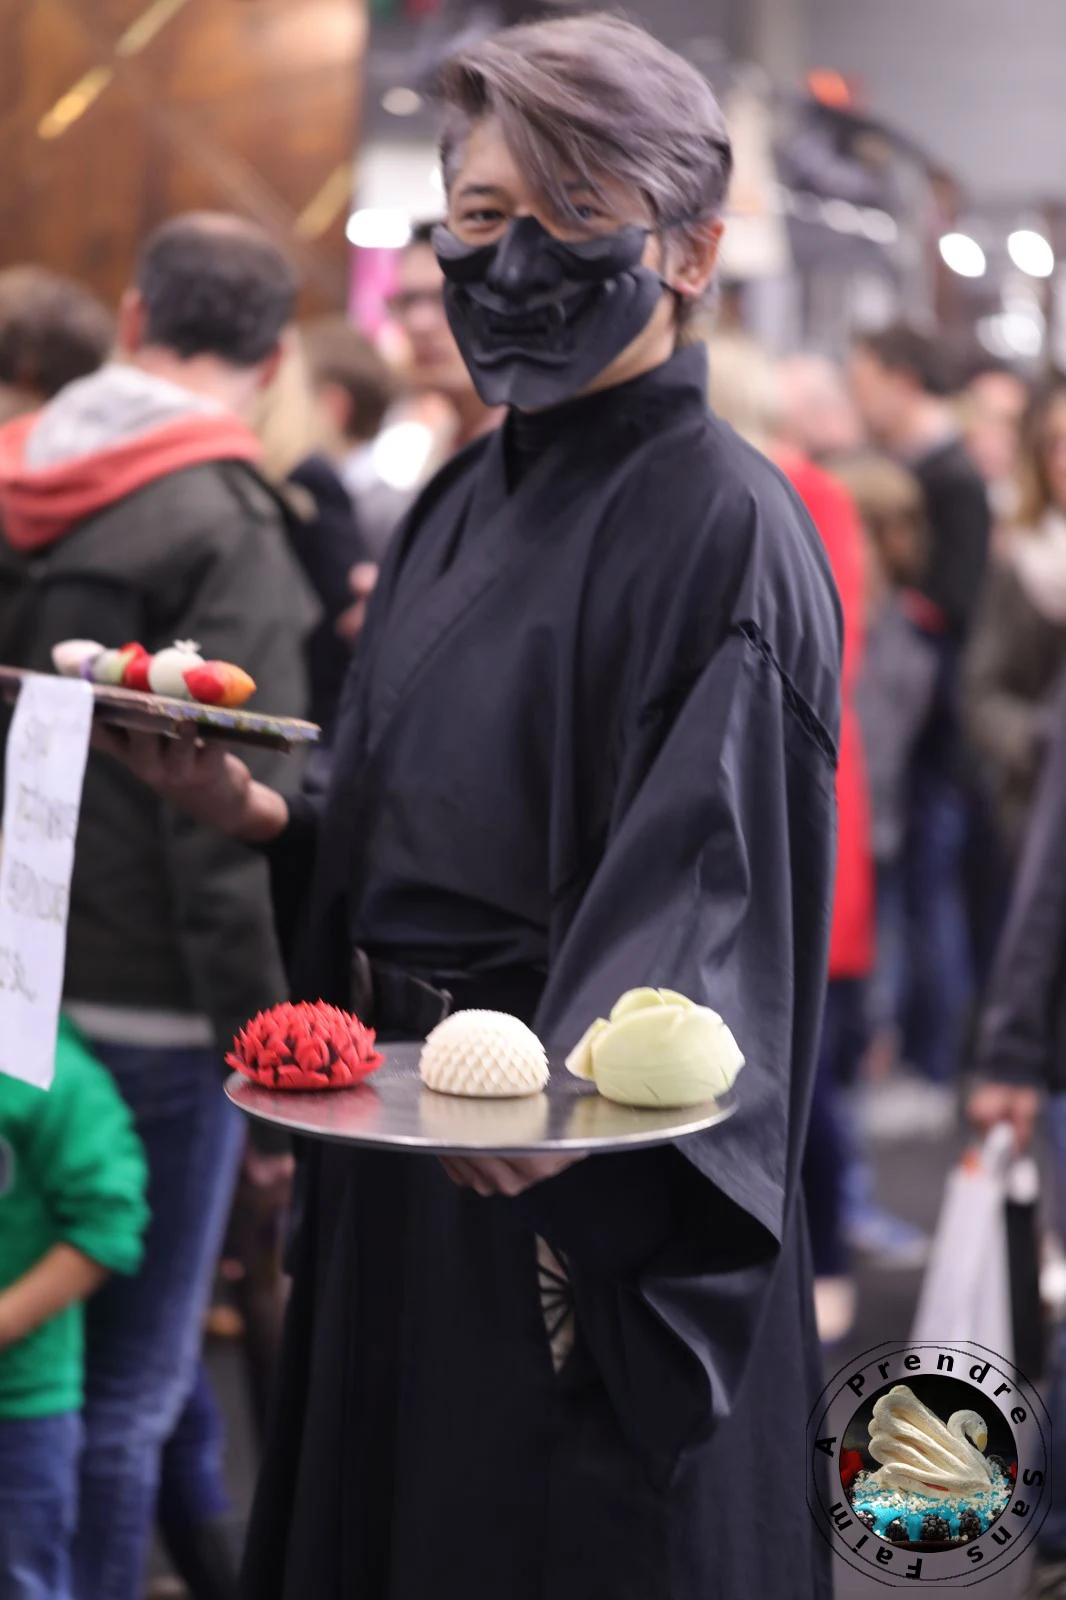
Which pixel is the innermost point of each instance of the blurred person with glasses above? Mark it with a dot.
(390, 431)
(441, 412)
(434, 366)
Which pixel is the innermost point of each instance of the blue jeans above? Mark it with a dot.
(143, 1334)
(1052, 1537)
(38, 1505)
(938, 984)
(192, 1487)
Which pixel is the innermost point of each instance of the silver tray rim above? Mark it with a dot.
(340, 1116)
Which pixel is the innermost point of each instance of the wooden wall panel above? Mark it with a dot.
(242, 105)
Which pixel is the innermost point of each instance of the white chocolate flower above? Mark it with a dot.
(658, 1049)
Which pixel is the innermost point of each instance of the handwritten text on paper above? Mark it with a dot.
(47, 750)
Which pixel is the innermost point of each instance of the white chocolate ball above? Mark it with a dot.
(486, 1054)
(166, 671)
(73, 658)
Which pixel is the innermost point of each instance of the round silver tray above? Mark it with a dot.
(393, 1110)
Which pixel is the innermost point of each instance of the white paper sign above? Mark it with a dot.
(47, 750)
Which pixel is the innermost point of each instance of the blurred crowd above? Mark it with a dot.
(243, 474)
(940, 494)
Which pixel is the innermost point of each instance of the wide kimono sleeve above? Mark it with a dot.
(716, 881)
(306, 859)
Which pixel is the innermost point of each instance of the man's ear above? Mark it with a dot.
(696, 259)
(269, 367)
(131, 323)
(336, 404)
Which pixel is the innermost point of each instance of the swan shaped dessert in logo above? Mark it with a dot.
(922, 1455)
(935, 1487)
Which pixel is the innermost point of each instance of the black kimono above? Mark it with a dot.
(589, 744)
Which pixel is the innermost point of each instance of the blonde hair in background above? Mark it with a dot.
(743, 387)
(1036, 499)
(892, 507)
(286, 416)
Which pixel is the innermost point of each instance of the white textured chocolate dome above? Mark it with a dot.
(487, 1054)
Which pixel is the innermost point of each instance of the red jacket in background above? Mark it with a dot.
(833, 512)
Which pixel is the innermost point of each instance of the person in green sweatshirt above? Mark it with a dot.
(72, 1210)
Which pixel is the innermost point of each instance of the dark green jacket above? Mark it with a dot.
(164, 913)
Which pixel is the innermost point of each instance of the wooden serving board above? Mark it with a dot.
(156, 713)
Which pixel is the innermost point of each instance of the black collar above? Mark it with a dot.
(679, 382)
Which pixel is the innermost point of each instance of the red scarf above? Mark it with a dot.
(39, 505)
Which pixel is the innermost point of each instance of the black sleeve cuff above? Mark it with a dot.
(611, 1213)
(299, 833)
(291, 859)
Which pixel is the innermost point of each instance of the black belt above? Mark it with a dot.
(400, 1004)
(393, 1001)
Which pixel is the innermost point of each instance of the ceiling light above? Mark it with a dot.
(1010, 334)
(841, 216)
(401, 102)
(326, 205)
(401, 453)
(878, 225)
(75, 103)
(379, 229)
(1031, 253)
(143, 29)
(963, 255)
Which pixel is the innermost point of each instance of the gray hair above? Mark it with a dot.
(599, 97)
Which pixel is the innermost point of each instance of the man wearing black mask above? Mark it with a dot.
(589, 745)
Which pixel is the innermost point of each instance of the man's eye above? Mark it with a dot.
(483, 219)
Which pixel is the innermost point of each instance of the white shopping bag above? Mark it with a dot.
(965, 1295)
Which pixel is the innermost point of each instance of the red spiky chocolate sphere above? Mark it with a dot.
(309, 1045)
